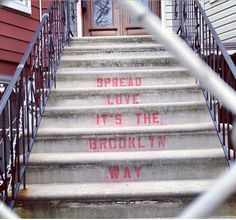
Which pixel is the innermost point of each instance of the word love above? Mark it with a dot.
(119, 173)
(119, 119)
(128, 143)
(119, 82)
(122, 99)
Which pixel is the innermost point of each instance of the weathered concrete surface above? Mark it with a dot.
(147, 200)
(126, 115)
(105, 40)
(47, 168)
(166, 137)
(90, 78)
(125, 95)
(85, 165)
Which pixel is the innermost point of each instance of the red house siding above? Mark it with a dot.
(16, 31)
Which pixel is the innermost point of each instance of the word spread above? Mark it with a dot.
(119, 82)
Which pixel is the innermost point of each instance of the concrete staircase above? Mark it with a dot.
(126, 134)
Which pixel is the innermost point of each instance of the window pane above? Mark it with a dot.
(102, 10)
(133, 21)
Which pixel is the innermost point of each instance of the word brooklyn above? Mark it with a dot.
(127, 143)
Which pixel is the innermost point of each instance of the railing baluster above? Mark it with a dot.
(24, 111)
(17, 124)
(12, 168)
(5, 152)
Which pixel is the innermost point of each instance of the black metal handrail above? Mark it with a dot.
(23, 101)
(194, 26)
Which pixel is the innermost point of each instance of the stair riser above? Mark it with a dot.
(111, 51)
(125, 171)
(170, 207)
(166, 208)
(125, 117)
(77, 73)
(119, 97)
(92, 63)
(107, 81)
(122, 143)
(114, 40)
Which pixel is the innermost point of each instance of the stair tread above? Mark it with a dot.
(111, 37)
(130, 88)
(128, 107)
(142, 56)
(144, 156)
(128, 130)
(106, 191)
(78, 70)
(115, 46)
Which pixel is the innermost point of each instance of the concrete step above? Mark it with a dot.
(119, 139)
(165, 59)
(162, 199)
(125, 95)
(126, 115)
(112, 49)
(106, 40)
(80, 167)
(110, 77)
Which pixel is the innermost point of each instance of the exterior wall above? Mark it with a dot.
(222, 14)
(16, 31)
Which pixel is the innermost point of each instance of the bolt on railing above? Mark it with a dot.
(23, 101)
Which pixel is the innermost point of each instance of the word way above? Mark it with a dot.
(119, 173)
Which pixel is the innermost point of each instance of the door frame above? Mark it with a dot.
(121, 26)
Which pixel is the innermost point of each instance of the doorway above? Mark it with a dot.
(106, 18)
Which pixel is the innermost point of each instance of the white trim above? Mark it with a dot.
(23, 6)
(163, 13)
(40, 10)
(79, 20)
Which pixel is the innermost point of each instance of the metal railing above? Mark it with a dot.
(23, 101)
(195, 28)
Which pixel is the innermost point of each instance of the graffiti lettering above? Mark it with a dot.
(102, 119)
(148, 118)
(119, 82)
(124, 173)
(129, 143)
(122, 99)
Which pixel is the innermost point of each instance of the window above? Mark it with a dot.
(102, 10)
(19, 5)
